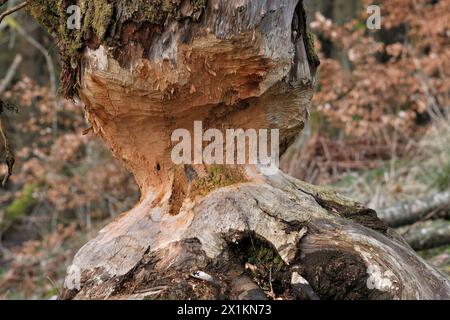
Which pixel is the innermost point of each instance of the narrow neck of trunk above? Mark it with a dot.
(202, 102)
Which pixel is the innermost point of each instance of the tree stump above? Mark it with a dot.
(146, 68)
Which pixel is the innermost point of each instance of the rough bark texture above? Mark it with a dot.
(410, 212)
(145, 68)
(428, 234)
(338, 256)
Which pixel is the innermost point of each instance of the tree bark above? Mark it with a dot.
(410, 212)
(428, 235)
(213, 231)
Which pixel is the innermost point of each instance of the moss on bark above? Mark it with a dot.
(310, 47)
(101, 23)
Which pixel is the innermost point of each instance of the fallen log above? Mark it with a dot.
(428, 234)
(411, 212)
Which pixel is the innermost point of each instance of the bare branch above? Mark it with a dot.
(12, 10)
(10, 74)
(45, 53)
(51, 71)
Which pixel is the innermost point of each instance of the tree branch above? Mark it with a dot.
(12, 10)
(51, 72)
(10, 73)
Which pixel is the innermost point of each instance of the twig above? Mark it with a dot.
(12, 10)
(200, 275)
(55, 286)
(270, 281)
(10, 73)
(425, 218)
(152, 291)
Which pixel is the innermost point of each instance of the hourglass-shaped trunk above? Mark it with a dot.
(147, 68)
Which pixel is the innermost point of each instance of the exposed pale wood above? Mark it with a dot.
(232, 74)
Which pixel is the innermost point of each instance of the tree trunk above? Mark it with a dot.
(146, 68)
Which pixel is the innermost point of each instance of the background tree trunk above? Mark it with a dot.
(144, 69)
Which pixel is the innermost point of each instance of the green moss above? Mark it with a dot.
(267, 267)
(337, 204)
(47, 13)
(311, 50)
(266, 256)
(20, 206)
(219, 176)
(102, 17)
(99, 15)
(96, 15)
(99, 20)
(157, 12)
(355, 212)
(198, 4)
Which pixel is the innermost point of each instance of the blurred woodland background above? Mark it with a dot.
(379, 133)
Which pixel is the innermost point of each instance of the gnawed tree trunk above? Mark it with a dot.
(146, 68)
